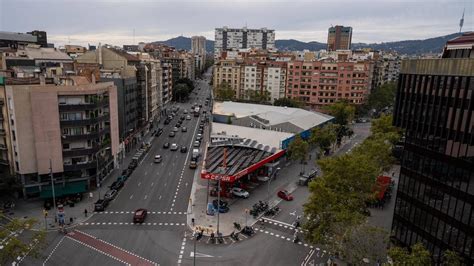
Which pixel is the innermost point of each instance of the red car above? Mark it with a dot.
(140, 215)
(285, 195)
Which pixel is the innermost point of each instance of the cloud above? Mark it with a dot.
(114, 21)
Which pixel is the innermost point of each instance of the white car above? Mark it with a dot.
(238, 192)
(158, 159)
(174, 147)
(188, 117)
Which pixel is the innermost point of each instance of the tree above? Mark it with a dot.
(181, 91)
(287, 102)
(257, 96)
(451, 258)
(186, 81)
(418, 255)
(342, 111)
(323, 137)
(382, 96)
(224, 92)
(14, 245)
(338, 198)
(383, 126)
(298, 149)
(365, 242)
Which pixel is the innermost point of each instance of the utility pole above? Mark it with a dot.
(52, 188)
(223, 170)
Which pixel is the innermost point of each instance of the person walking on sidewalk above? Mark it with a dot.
(85, 212)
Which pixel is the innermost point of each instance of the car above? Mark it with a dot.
(188, 117)
(172, 134)
(223, 203)
(223, 209)
(284, 194)
(197, 144)
(175, 129)
(100, 205)
(166, 145)
(178, 125)
(117, 185)
(263, 178)
(157, 159)
(193, 164)
(167, 121)
(159, 132)
(199, 137)
(111, 194)
(184, 129)
(185, 111)
(200, 131)
(184, 149)
(182, 118)
(133, 165)
(304, 179)
(140, 215)
(240, 193)
(127, 172)
(174, 147)
(200, 105)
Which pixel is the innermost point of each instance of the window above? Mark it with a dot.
(66, 146)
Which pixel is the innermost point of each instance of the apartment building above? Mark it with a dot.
(70, 130)
(386, 69)
(231, 38)
(435, 196)
(198, 49)
(320, 83)
(339, 38)
(167, 82)
(252, 78)
(6, 166)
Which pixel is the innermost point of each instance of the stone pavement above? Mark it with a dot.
(33, 208)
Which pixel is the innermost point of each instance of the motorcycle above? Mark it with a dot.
(237, 226)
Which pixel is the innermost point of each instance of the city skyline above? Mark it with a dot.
(144, 21)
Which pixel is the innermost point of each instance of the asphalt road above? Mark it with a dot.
(110, 238)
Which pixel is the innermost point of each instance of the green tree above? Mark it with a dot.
(338, 198)
(186, 81)
(379, 150)
(181, 91)
(16, 244)
(451, 258)
(418, 255)
(342, 111)
(365, 242)
(224, 92)
(323, 137)
(298, 149)
(257, 96)
(287, 102)
(382, 126)
(382, 96)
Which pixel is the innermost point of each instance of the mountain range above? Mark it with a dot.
(409, 47)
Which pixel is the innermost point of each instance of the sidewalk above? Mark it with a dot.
(33, 208)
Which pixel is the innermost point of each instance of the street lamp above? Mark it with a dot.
(52, 189)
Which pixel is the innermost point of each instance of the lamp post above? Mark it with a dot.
(194, 254)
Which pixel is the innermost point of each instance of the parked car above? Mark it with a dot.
(238, 192)
(159, 132)
(175, 129)
(223, 203)
(127, 172)
(100, 205)
(193, 164)
(116, 185)
(174, 147)
(188, 117)
(184, 149)
(185, 111)
(166, 145)
(199, 137)
(139, 215)
(172, 134)
(133, 165)
(306, 178)
(284, 194)
(122, 178)
(197, 144)
(157, 158)
(182, 118)
(184, 129)
(111, 194)
(263, 178)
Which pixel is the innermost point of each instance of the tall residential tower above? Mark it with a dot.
(339, 38)
(227, 39)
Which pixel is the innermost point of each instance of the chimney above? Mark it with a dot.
(100, 55)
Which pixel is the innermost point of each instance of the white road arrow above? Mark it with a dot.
(200, 255)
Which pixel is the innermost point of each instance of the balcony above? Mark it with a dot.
(4, 161)
(3, 147)
(79, 166)
(2, 132)
(83, 106)
(84, 122)
(2, 101)
(80, 152)
(89, 135)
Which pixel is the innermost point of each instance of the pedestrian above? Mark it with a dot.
(71, 220)
(85, 212)
(192, 221)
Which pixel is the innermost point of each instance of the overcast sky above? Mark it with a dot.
(114, 21)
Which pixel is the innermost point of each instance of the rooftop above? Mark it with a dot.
(39, 53)
(15, 36)
(286, 119)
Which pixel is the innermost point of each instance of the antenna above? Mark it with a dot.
(461, 22)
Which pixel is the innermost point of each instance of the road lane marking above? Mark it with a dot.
(139, 183)
(145, 196)
(131, 197)
(152, 183)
